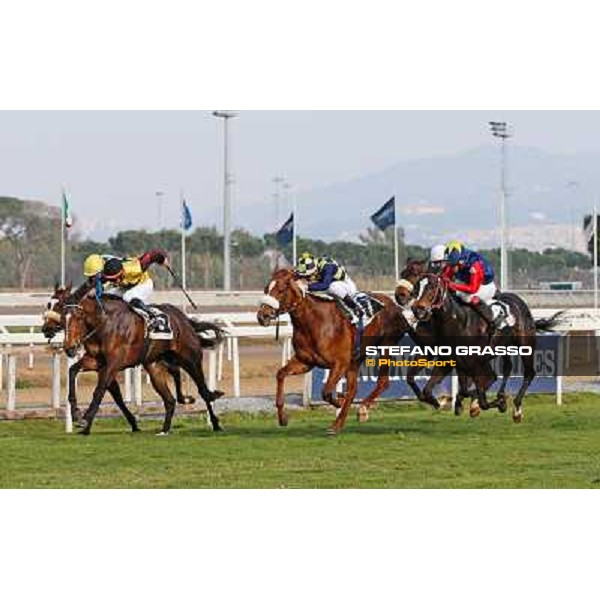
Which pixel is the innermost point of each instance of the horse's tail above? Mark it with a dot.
(209, 334)
(549, 323)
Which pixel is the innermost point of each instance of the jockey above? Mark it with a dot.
(326, 275)
(437, 259)
(128, 278)
(472, 278)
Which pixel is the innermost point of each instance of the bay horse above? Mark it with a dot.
(119, 333)
(455, 322)
(54, 322)
(323, 337)
(423, 334)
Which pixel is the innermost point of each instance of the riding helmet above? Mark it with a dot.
(93, 265)
(113, 268)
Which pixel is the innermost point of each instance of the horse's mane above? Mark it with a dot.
(414, 266)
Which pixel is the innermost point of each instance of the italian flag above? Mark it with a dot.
(67, 216)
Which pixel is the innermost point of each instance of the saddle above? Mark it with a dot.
(370, 306)
(502, 309)
(157, 325)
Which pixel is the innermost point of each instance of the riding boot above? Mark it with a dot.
(157, 327)
(485, 311)
(357, 309)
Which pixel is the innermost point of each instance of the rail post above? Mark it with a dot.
(1, 368)
(236, 366)
(212, 370)
(11, 383)
(127, 385)
(137, 386)
(30, 360)
(56, 381)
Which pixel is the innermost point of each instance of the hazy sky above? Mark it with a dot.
(114, 162)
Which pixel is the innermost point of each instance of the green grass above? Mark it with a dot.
(401, 446)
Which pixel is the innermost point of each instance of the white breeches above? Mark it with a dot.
(341, 289)
(486, 294)
(143, 291)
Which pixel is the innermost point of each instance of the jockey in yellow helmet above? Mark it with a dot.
(128, 278)
(326, 275)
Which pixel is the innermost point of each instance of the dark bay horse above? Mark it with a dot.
(458, 324)
(121, 344)
(324, 338)
(54, 322)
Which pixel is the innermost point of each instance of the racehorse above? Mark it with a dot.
(54, 322)
(323, 337)
(455, 323)
(121, 341)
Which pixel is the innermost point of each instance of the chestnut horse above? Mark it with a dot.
(121, 344)
(323, 337)
(54, 322)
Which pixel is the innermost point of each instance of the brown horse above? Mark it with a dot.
(456, 323)
(121, 344)
(54, 322)
(324, 338)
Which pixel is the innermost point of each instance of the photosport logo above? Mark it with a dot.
(551, 356)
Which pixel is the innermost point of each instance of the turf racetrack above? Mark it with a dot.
(403, 445)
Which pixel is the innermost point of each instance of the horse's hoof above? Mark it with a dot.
(81, 423)
(518, 417)
(218, 394)
(136, 430)
(84, 432)
(162, 434)
(458, 410)
(502, 406)
(474, 411)
(283, 422)
(363, 414)
(186, 400)
(332, 431)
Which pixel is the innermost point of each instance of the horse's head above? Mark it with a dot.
(406, 289)
(431, 295)
(81, 322)
(54, 317)
(283, 294)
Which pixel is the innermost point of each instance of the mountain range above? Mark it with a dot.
(457, 196)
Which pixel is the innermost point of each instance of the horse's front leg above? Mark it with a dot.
(383, 383)
(352, 380)
(437, 376)
(293, 367)
(86, 364)
(105, 376)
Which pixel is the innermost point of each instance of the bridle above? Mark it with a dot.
(439, 294)
(82, 340)
(275, 305)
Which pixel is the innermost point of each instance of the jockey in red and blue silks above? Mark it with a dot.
(471, 277)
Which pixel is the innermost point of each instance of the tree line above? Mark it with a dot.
(30, 254)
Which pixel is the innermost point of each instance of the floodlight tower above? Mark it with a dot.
(227, 181)
(501, 131)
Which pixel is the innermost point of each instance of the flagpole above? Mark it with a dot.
(396, 249)
(595, 257)
(183, 261)
(295, 225)
(62, 238)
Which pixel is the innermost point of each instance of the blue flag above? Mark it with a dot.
(186, 216)
(286, 234)
(386, 216)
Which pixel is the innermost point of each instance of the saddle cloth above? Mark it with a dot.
(371, 306)
(158, 327)
(502, 309)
